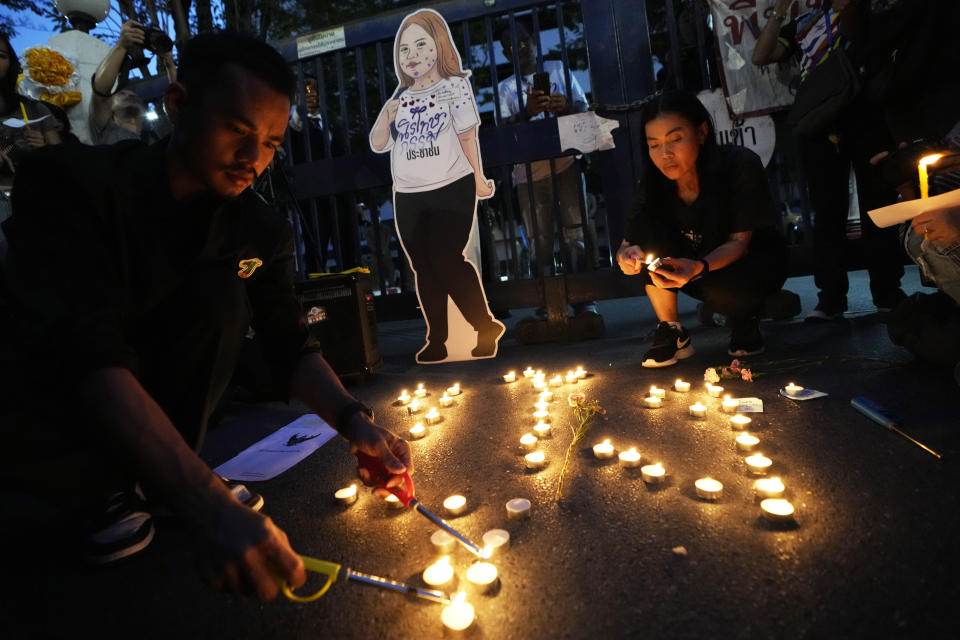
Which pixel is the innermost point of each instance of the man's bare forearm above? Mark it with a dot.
(140, 430)
(316, 385)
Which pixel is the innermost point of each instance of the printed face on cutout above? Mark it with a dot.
(674, 144)
(417, 53)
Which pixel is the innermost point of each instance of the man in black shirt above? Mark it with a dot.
(133, 274)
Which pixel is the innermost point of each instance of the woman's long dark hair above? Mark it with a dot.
(656, 189)
(687, 106)
(8, 84)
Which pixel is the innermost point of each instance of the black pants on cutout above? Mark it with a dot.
(434, 228)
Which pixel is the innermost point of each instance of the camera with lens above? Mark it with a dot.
(155, 40)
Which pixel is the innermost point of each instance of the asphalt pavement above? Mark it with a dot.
(871, 551)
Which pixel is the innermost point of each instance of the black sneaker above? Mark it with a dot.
(487, 339)
(746, 340)
(669, 345)
(124, 528)
(432, 352)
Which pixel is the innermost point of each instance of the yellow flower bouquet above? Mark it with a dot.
(50, 76)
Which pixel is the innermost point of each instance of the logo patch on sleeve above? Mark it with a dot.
(248, 266)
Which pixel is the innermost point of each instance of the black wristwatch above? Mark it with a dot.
(345, 415)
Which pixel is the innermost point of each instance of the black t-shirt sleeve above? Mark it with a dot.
(749, 202)
(65, 286)
(278, 318)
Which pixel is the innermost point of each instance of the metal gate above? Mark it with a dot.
(621, 50)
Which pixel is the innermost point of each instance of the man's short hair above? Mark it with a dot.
(203, 58)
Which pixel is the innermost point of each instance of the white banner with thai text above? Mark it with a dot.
(749, 89)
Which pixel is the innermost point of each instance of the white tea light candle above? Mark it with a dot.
(414, 406)
(393, 502)
(518, 508)
(652, 402)
(541, 405)
(747, 441)
(482, 576)
(454, 390)
(657, 392)
(630, 457)
(510, 376)
(777, 510)
(445, 400)
(653, 473)
(528, 442)
(681, 386)
(455, 504)
(556, 381)
(546, 395)
(443, 542)
(495, 541)
(528, 372)
(439, 574)
(542, 430)
(708, 488)
(458, 615)
(581, 373)
(714, 390)
(793, 389)
(404, 398)
(571, 378)
(739, 422)
(535, 460)
(417, 431)
(769, 487)
(541, 415)
(539, 385)
(603, 450)
(420, 391)
(729, 405)
(698, 410)
(432, 416)
(758, 464)
(347, 495)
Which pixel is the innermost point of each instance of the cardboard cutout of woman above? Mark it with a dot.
(429, 127)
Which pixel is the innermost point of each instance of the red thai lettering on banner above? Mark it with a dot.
(740, 5)
(737, 27)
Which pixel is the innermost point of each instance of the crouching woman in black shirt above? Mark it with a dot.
(707, 213)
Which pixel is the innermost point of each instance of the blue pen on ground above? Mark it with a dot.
(872, 411)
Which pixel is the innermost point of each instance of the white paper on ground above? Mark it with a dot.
(910, 209)
(749, 405)
(806, 394)
(279, 451)
(586, 132)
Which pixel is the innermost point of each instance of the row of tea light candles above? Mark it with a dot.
(432, 416)
(770, 489)
(540, 381)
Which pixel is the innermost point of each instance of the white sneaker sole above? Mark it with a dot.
(130, 550)
(681, 354)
